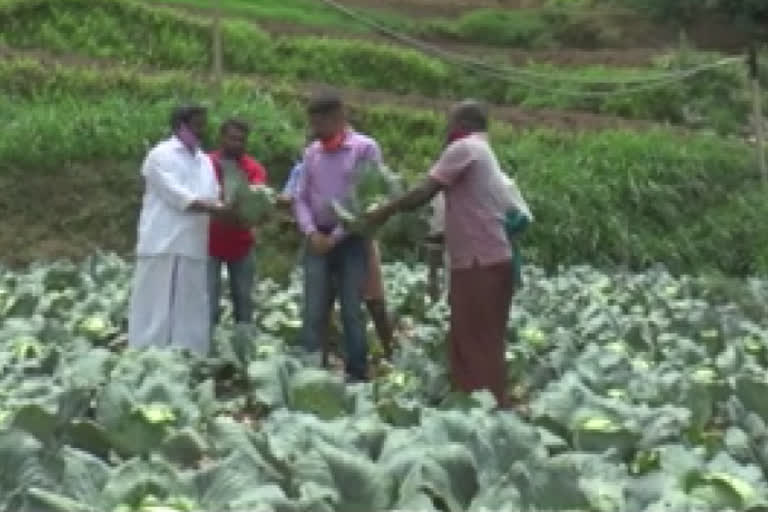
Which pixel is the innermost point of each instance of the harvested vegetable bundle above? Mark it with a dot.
(252, 203)
(375, 184)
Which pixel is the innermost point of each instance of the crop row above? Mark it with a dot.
(161, 38)
(544, 27)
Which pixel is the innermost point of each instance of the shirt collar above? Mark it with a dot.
(178, 145)
(349, 134)
(348, 142)
(242, 162)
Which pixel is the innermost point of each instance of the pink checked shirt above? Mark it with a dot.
(471, 177)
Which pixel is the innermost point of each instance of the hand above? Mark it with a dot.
(284, 201)
(434, 255)
(206, 206)
(227, 212)
(377, 216)
(320, 243)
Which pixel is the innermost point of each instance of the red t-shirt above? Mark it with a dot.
(228, 242)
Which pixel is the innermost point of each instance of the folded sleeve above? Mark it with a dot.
(453, 163)
(302, 208)
(290, 185)
(161, 177)
(372, 153)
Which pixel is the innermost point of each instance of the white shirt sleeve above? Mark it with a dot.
(161, 176)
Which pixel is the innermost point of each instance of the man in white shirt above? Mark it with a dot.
(169, 304)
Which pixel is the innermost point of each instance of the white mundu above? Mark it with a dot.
(169, 300)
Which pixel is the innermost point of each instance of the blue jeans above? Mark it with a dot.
(241, 276)
(346, 266)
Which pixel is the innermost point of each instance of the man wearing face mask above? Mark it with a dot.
(232, 243)
(330, 167)
(374, 296)
(169, 305)
(479, 205)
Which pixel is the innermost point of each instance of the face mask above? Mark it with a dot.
(187, 137)
(456, 134)
(335, 142)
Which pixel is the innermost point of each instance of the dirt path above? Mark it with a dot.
(517, 116)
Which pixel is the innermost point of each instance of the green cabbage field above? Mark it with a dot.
(641, 391)
(637, 393)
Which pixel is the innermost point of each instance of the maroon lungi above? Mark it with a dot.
(480, 299)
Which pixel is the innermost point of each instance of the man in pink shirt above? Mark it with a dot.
(481, 282)
(331, 165)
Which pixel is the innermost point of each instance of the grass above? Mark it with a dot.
(301, 12)
(133, 33)
(611, 198)
(524, 28)
(529, 28)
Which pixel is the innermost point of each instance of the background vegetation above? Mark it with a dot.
(87, 87)
(607, 197)
(135, 34)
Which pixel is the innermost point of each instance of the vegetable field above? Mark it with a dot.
(644, 393)
(636, 389)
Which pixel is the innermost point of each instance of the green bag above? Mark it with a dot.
(515, 223)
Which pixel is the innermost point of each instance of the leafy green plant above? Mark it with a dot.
(104, 30)
(644, 394)
(374, 184)
(664, 190)
(254, 204)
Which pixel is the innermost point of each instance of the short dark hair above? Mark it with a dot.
(237, 124)
(324, 103)
(185, 113)
(472, 115)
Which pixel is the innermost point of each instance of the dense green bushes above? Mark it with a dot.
(528, 28)
(748, 14)
(139, 35)
(70, 114)
(606, 198)
(524, 28)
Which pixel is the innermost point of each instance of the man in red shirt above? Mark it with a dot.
(231, 244)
